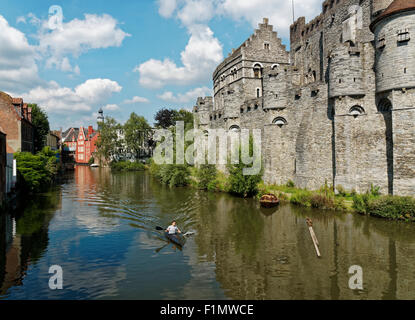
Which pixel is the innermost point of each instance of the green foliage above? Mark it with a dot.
(125, 166)
(172, 175)
(108, 141)
(206, 176)
(165, 118)
(392, 207)
(41, 125)
(341, 191)
(301, 197)
(91, 161)
(240, 184)
(374, 190)
(136, 131)
(290, 184)
(361, 202)
(186, 117)
(38, 170)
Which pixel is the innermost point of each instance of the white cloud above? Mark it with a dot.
(189, 96)
(111, 107)
(63, 100)
(279, 12)
(167, 8)
(196, 12)
(21, 19)
(200, 57)
(18, 67)
(77, 37)
(136, 99)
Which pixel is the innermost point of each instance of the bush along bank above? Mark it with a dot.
(324, 199)
(126, 166)
(37, 172)
(208, 178)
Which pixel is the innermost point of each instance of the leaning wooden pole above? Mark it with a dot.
(313, 236)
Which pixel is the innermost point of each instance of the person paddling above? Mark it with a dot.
(173, 229)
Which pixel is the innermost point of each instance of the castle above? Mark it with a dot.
(339, 107)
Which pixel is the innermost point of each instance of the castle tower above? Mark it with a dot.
(202, 111)
(394, 31)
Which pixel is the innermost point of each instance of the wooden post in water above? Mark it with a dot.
(313, 236)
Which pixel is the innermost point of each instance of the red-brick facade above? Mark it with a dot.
(85, 144)
(16, 121)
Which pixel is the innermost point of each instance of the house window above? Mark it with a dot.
(234, 128)
(81, 156)
(80, 149)
(242, 110)
(403, 35)
(266, 46)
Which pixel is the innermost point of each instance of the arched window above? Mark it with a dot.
(356, 111)
(279, 121)
(258, 70)
(235, 128)
(206, 133)
(275, 66)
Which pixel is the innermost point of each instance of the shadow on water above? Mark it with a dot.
(101, 226)
(24, 237)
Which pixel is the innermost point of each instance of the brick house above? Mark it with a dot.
(16, 121)
(86, 145)
(3, 160)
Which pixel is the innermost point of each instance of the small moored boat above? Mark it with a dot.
(176, 238)
(269, 201)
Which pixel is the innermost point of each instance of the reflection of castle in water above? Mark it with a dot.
(272, 257)
(24, 238)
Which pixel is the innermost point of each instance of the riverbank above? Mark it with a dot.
(207, 178)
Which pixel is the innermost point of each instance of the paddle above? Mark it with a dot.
(184, 234)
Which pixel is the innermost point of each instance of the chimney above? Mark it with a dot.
(29, 114)
(25, 111)
(266, 20)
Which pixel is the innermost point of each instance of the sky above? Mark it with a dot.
(74, 57)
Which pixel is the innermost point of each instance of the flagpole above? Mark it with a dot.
(292, 1)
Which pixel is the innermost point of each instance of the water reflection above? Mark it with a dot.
(100, 227)
(24, 238)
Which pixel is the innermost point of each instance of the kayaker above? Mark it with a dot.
(173, 229)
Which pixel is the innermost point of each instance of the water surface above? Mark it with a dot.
(100, 228)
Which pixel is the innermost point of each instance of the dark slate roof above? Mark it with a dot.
(395, 7)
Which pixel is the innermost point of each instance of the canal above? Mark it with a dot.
(100, 228)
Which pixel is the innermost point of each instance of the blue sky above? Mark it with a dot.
(125, 56)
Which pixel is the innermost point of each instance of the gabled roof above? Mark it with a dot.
(395, 7)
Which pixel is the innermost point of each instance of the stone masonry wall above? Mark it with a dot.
(325, 113)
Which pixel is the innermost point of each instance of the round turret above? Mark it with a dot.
(394, 31)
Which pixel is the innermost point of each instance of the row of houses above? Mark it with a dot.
(16, 134)
(81, 143)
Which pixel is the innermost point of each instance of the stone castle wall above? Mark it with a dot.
(325, 112)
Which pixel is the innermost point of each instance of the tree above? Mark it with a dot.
(165, 118)
(185, 116)
(109, 140)
(41, 124)
(136, 132)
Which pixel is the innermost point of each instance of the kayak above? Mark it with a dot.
(176, 238)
